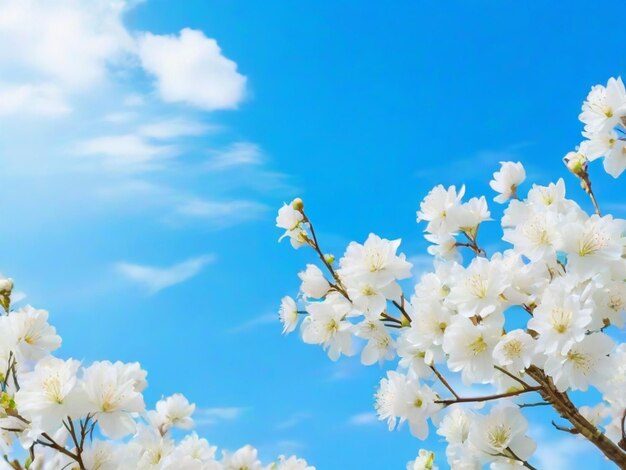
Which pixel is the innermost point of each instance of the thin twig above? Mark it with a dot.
(487, 397)
(564, 429)
(530, 405)
(444, 381)
(315, 245)
(517, 379)
(524, 463)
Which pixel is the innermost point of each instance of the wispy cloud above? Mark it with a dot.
(155, 278)
(293, 420)
(236, 155)
(255, 323)
(173, 128)
(363, 419)
(116, 129)
(209, 416)
(478, 164)
(128, 152)
(34, 99)
(223, 212)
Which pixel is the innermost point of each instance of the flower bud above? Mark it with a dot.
(6, 287)
(298, 204)
(576, 163)
(330, 259)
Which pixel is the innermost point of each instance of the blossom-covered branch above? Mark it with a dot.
(561, 280)
(93, 417)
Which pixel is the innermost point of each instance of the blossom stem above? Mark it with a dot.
(586, 185)
(315, 245)
(592, 197)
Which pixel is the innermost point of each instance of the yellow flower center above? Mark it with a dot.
(478, 345)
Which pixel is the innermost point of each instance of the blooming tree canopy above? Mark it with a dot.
(532, 323)
(61, 414)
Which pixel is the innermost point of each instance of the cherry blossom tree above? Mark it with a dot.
(62, 414)
(536, 323)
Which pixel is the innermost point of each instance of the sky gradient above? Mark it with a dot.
(140, 211)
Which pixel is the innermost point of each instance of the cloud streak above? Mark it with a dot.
(363, 419)
(255, 323)
(155, 279)
(210, 416)
(236, 155)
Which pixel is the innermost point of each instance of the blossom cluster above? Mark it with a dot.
(536, 319)
(604, 116)
(61, 413)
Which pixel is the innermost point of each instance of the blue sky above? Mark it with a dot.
(141, 212)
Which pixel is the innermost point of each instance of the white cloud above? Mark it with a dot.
(68, 41)
(120, 117)
(236, 155)
(363, 419)
(33, 99)
(190, 68)
(127, 152)
(221, 211)
(208, 416)
(156, 279)
(119, 149)
(172, 128)
(77, 45)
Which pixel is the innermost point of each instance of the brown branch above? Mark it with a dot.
(568, 411)
(487, 397)
(53, 445)
(444, 382)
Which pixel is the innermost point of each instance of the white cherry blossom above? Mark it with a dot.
(507, 180)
